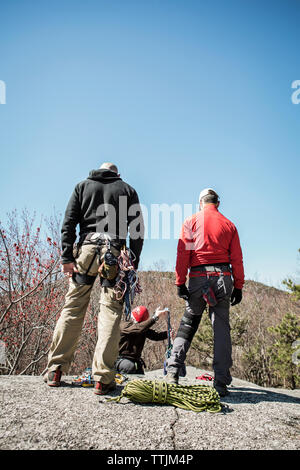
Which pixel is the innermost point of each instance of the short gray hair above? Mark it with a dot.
(109, 166)
(209, 196)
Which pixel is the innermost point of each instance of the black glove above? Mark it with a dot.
(182, 292)
(236, 296)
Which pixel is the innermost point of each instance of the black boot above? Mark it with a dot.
(221, 388)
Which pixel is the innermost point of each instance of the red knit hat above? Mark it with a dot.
(140, 314)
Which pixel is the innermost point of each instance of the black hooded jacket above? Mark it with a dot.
(103, 203)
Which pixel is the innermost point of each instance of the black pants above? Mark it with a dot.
(219, 315)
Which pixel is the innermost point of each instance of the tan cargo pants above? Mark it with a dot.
(69, 325)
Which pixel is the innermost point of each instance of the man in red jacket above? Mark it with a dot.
(209, 248)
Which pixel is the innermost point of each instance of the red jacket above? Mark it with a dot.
(207, 237)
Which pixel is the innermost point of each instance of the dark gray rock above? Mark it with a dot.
(35, 416)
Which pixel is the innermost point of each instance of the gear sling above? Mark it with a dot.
(108, 265)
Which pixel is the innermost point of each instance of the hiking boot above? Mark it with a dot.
(172, 378)
(221, 388)
(54, 378)
(104, 389)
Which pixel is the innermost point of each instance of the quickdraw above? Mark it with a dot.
(127, 281)
(208, 274)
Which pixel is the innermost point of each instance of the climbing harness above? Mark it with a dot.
(85, 279)
(196, 398)
(108, 269)
(127, 281)
(108, 262)
(182, 370)
(207, 292)
(117, 270)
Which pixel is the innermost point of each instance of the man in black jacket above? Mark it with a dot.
(106, 208)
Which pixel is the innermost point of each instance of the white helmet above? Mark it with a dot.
(207, 191)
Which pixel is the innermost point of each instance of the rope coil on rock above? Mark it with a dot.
(189, 397)
(160, 392)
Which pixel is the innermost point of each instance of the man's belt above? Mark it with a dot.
(217, 269)
(212, 273)
(100, 238)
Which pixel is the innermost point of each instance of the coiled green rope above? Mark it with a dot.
(189, 397)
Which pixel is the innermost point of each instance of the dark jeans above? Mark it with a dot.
(221, 286)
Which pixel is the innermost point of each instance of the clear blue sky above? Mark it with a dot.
(180, 94)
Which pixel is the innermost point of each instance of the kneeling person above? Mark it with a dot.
(133, 336)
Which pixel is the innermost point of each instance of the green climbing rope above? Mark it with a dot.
(189, 397)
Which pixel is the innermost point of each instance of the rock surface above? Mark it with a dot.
(35, 416)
